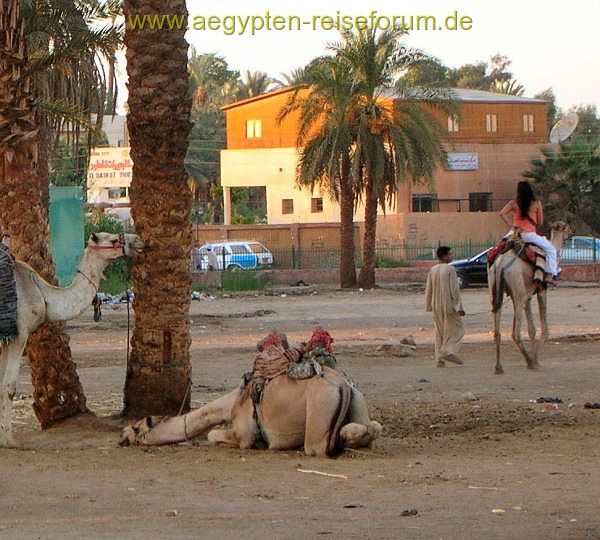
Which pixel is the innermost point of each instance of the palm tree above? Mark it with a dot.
(507, 86)
(24, 180)
(255, 83)
(159, 372)
(357, 145)
(325, 140)
(393, 142)
(568, 181)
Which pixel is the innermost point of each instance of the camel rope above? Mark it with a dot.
(91, 282)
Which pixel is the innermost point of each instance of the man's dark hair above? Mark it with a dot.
(442, 251)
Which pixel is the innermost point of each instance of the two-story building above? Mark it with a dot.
(493, 139)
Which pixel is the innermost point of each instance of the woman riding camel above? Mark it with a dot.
(528, 216)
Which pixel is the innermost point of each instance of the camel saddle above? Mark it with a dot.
(8, 296)
(528, 252)
(276, 358)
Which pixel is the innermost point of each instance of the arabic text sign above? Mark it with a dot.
(110, 167)
(463, 161)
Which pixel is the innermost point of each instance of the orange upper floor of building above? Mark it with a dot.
(483, 117)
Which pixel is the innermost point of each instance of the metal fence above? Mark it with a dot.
(386, 257)
(578, 250)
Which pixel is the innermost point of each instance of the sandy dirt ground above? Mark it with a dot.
(462, 448)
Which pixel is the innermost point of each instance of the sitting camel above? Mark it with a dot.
(38, 301)
(323, 414)
(511, 274)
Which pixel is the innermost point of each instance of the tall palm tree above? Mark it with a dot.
(393, 142)
(24, 179)
(361, 133)
(159, 372)
(325, 140)
(67, 47)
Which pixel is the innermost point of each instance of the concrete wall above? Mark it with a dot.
(275, 168)
(436, 227)
(501, 167)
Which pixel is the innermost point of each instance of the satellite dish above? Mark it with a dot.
(563, 128)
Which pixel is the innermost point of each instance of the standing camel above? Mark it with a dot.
(512, 275)
(38, 301)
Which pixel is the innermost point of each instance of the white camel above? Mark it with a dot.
(512, 275)
(38, 301)
(323, 414)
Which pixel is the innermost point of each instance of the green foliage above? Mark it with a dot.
(568, 183)
(588, 126)
(245, 280)
(385, 261)
(72, 47)
(553, 110)
(68, 165)
(240, 280)
(492, 75)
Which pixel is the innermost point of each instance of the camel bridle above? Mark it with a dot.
(120, 244)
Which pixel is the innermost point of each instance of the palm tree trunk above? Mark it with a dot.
(23, 212)
(366, 277)
(347, 263)
(159, 373)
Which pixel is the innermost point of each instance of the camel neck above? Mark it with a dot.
(66, 303)
(556, 238)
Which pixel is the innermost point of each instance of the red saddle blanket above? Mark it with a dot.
(529, 253)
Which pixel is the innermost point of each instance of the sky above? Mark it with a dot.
(551, 43)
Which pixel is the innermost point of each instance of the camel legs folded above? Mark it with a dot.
(10, 361)
(355, 435)
(163, 430)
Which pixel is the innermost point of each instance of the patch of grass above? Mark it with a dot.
(199, 287)
(383, 261)
(246, 280)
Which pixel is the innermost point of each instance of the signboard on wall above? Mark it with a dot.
(110, 167)
(463, 161)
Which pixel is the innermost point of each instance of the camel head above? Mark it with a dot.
(109, 246)
(560, 231)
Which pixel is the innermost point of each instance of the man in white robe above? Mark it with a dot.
(442, 297)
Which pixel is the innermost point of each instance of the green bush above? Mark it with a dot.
(245, 280)
(384, 261)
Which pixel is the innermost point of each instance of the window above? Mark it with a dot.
(287, 206)
(528, 123)
(316, 205)
(238, 249)
(453, 123)
(257, 248)
(480, 202)
(491, 123)
(117, 193)
(253, 129)
(424, 203)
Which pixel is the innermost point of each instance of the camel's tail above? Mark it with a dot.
(335, 445)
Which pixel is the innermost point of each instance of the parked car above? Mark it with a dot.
(473, 270)
(580, 249)
(233, 256)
